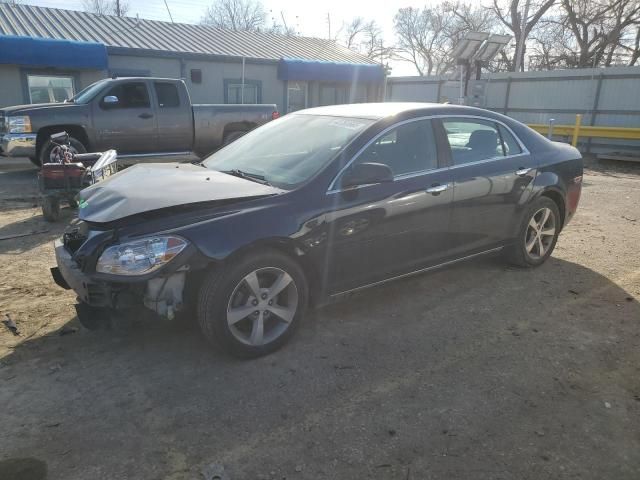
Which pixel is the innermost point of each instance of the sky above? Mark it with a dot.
(309, 17)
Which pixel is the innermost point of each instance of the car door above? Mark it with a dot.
(491, 172)
(174, 118)
(383, 230)
(124, 119)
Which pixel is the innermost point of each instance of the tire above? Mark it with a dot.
(239, 334)
(525, 252)
(51, 208)
(45, 151)
(35, 161)
(232, 137)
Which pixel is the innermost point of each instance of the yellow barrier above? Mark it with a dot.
(578, 130)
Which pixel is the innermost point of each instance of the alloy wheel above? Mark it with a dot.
(541, 232)
(262, 306)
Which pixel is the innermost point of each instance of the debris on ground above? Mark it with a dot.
(11, 325)
(214, 471)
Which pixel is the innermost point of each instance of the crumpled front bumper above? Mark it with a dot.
(18, 144)
(69, 276)
(162, 294)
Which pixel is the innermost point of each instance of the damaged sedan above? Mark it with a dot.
(311, 206)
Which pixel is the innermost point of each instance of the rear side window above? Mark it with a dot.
(167, 94)
(511, 146)
(408, 148)
(130, 95)
(472, 140)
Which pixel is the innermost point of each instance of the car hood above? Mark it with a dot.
(149, 187)
(33, 107)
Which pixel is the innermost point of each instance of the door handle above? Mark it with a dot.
(145, 115)
(437, 189)
(521, 172)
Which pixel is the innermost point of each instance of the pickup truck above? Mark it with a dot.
(139, 117)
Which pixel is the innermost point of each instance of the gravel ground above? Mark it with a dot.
(479, 371)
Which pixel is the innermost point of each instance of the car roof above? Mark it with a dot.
(378, 111)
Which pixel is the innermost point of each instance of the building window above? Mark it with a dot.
(49, 88)
(296, 96)
(233, 91)
(196, 75)
(333, 94)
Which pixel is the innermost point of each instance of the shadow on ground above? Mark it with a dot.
(36, 229)
(478, 371)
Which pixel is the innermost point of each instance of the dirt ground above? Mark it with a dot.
(479, 371)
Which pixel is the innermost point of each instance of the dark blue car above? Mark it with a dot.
(308, 207)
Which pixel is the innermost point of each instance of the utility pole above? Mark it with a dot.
(520, 44)
(169, 11)
(329, 23)
(118, 11)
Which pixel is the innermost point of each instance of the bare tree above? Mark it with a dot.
(365, 37)
(281, 25)
(353, 30)
(427, 36)
(602, 30)
(118, 8)
(236, 15)
(509, 13)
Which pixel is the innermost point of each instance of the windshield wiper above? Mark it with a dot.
(254, 177)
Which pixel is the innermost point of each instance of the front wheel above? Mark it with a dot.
(253, 307)
(537, 235)
(51, 153)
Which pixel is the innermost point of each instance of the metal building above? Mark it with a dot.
(49, 54)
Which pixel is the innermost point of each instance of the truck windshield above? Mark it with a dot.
(288, 151)
(87, 94)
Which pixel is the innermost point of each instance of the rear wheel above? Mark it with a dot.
(537, 235)
(253, 307)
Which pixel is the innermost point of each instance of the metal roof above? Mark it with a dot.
(120, 33)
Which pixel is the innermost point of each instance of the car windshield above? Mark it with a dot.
(87, 94)
(288, 151)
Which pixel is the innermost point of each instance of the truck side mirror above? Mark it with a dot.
(110, 101)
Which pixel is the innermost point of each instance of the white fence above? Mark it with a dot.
(604, 96)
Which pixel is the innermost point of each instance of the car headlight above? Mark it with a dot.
(140, 256)
(19, 124)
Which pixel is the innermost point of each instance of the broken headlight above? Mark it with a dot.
(140, 256)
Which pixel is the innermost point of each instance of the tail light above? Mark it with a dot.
(275, 115)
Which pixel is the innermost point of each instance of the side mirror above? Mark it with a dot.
(110, 101)
(367, 174)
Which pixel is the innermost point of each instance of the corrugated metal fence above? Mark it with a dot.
(604, 97)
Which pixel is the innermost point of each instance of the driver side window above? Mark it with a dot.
(130, 95)
(406, 149)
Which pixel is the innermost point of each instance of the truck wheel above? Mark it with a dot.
(231, 137)
(253, 306)
(48, 152)
(51, 208)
